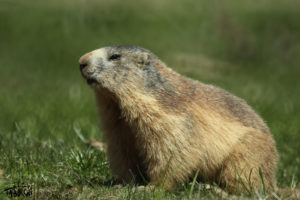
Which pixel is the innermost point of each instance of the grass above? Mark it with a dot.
(249, 48)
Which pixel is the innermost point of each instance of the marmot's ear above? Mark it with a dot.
(143, 60)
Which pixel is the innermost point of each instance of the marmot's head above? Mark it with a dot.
(117, 67)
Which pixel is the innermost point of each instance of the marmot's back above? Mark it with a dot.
(187, 91)
(166, 127)
(234, 107)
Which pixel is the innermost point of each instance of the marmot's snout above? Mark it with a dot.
(86, 68)
(84, 61)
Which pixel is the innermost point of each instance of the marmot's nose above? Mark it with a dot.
(83, 61)
(81, 66)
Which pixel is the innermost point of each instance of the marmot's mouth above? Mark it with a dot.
(91, 81)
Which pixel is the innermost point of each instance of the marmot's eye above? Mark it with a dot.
(115, 57)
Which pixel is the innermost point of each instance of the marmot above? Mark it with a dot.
(165, 128)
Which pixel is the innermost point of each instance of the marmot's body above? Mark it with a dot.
(166, 127)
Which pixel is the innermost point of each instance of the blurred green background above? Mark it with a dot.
(250, 48)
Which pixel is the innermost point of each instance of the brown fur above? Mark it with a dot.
(166, 127)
